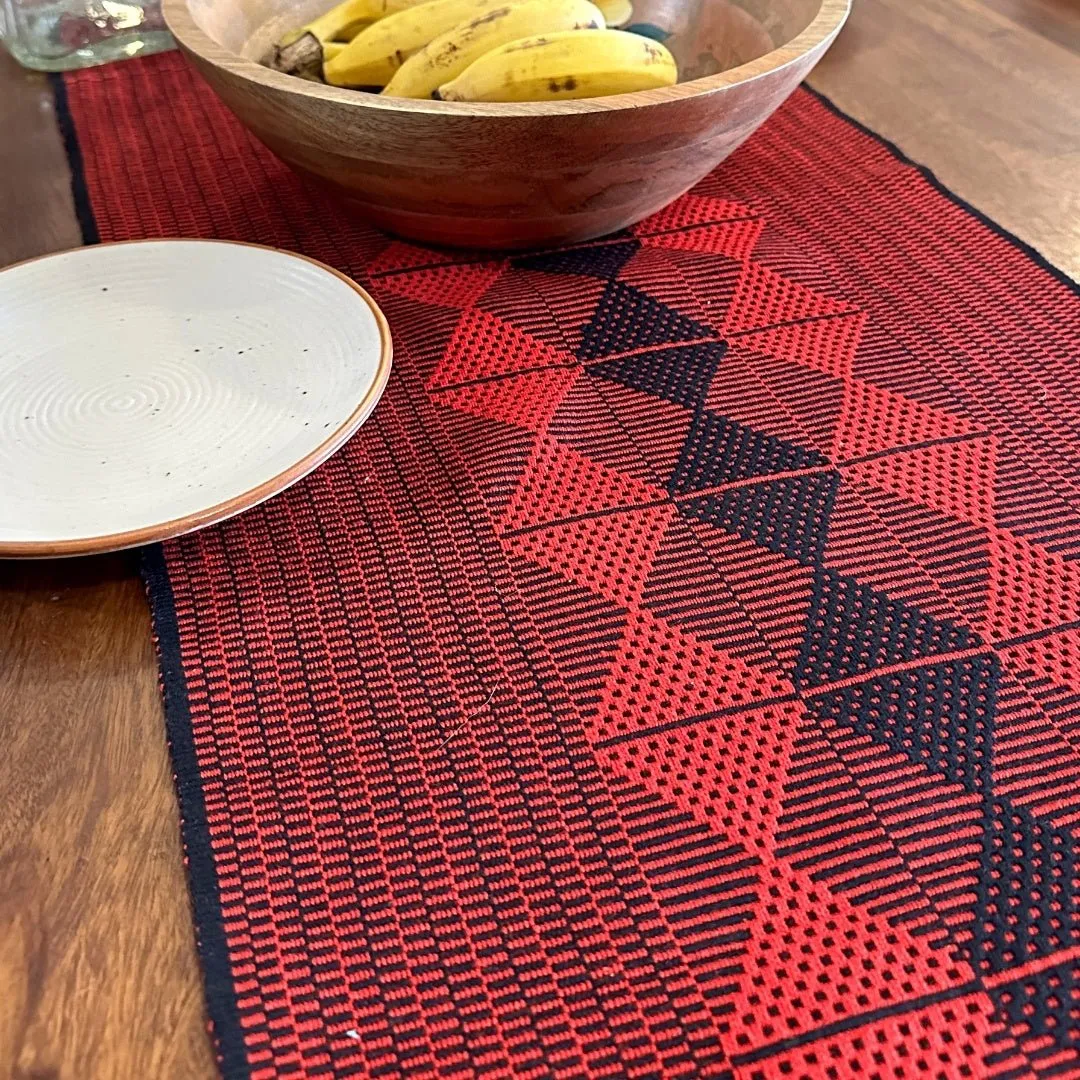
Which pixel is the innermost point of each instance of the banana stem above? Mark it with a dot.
(303, 57)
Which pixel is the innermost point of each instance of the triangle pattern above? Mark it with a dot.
(732, 239)
(711, 279)
(1036, 505)
(582, 629)
(789, 255)
(765, 298)
(526, 401)
(727, 770)
(587, 423)
(874, 419)
(420, 330)
(559, 483)
(686, 588)
(627, 319)
(662, 676)
(1054, 658)
(817, 959)
(789, 516)
(484, 345)
(826, 345)
(905, 1040)
(550, 307)
(680, 373)
(657, 427)
(401, 255)
(956, 478)
(719, 451)
(853, 629)
(1028, 897)
(651, 271)
(773, 591)
(870, 822)
(1029, 589)
(953, 553)
(603, 260)
(610, 555)
(496, 453)
(457, 285)
(693, 872)
(738, 392)
(862, 546)
(812, 397)
(939, 716)
(1036, 760)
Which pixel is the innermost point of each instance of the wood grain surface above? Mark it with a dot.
(98, 979)
(512, 174)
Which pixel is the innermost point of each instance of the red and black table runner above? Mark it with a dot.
(678, 676)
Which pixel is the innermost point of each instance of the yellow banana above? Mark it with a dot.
(616, 12)
(448, 55)
(376, 53)
(333, 48)
(566, 64)
(345, 20)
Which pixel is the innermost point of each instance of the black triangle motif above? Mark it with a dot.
(788, 516)
(680, 374)
(939, 716)
(598, 260)
(627, 318)
(719, 450)
(1026, 902)
(853, 628)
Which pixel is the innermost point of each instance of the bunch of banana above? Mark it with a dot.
(446, 57)
(477, 50)
(567, 64)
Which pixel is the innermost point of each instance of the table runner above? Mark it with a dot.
(679, 675)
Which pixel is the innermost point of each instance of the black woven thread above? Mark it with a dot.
(79, 193)
(219, 989)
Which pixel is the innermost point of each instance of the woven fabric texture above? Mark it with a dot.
(679, 676)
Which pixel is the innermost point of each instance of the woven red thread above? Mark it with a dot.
(679, 675)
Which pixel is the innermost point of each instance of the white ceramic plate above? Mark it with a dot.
(152, 388)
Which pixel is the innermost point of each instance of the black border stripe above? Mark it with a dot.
(210, 938)
(927, 174)
(79, 193)
(219, 987)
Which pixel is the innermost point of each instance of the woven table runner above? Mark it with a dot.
(678, 676)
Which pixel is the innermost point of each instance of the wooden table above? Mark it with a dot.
(98, 976)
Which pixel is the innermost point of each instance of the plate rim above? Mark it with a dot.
(221, 511)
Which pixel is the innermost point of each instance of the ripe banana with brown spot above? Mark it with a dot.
(448, 55)
(375, 54)
(345, 20)
(563, 65)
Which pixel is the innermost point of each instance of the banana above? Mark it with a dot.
(345, 20)
(375, 54)
(565, 64)
(448, 55)
(616, 12)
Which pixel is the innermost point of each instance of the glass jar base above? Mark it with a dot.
(121, 46)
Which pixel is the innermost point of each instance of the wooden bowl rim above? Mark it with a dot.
(824, 26)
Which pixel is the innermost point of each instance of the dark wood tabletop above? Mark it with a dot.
(98, 975)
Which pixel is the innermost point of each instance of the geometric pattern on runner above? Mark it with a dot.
(678, 675)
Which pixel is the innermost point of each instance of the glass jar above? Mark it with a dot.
(59, 35)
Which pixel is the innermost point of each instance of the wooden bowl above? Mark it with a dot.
(515, 175)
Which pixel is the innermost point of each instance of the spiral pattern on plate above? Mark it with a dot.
(144, 383)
